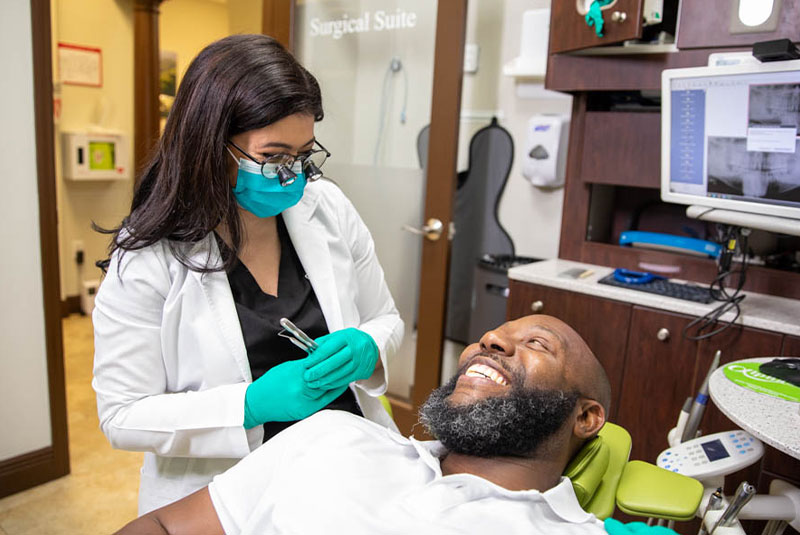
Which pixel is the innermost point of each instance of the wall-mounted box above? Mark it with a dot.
(95, 156)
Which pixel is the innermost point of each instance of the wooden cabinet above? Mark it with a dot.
(622, 21)
(659, 366)
(653, 368)
(707, 23)
(615, 133)
(791, 346)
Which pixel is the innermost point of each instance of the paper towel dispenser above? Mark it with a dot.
(544, 160)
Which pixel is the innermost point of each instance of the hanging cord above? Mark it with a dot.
(705, 325)
(395, 65)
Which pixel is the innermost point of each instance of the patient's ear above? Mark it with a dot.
(589, 419)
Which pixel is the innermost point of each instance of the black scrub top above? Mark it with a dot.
(259, 315)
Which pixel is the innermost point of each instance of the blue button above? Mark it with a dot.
(742, 452)
(735, 440)
(738, 445)
(675, 470)
(731, 435)
(668, 453)
(666, 466)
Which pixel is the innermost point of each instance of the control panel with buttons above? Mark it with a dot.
(713, 455)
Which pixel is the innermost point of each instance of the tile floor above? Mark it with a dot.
(99, 495)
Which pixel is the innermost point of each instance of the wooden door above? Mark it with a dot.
(569, 31)
(658, 379)
(606, 338)
(384, 76)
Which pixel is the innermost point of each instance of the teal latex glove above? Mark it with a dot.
(341, 358)
(615, 527)
(594, 17)
(281, 395)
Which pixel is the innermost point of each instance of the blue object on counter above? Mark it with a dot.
(657, 240)
(635, 277)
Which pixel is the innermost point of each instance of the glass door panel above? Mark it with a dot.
(374, 61)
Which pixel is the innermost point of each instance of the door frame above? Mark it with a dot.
(440, 187)
(45, 464)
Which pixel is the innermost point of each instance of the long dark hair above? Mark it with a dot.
(236, 84)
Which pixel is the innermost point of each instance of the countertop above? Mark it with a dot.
(771, 313)
(773, 420)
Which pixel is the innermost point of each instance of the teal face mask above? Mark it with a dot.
(263, 195)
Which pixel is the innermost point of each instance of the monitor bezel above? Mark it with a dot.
(667, 76)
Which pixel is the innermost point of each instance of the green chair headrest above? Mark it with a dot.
(587, 468)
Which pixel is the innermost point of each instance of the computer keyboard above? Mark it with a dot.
(687, 292)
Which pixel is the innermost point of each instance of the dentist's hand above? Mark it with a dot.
(615, 527)
(342, 357)
(281, 395)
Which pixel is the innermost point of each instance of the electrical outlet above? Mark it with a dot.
(471, 52)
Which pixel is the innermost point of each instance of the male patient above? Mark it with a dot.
(524, 400)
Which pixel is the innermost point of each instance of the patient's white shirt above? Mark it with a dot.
(338, 473)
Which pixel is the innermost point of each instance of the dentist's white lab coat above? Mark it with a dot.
(171, 368)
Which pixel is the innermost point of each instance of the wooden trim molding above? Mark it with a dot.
(28, 470)
(42, 465)
(146, 120)
(277, 20)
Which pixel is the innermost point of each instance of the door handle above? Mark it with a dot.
(432, 230)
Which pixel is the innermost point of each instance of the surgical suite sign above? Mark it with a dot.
(377, 21)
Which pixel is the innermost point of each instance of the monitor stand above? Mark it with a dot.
(781, 225)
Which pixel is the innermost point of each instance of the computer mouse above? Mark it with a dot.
(787, 369)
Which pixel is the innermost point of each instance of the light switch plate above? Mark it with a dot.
(471, 51)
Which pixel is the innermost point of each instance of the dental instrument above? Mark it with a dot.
(700, 402)
(297, 336)
(675, 434)
(744, 494)
(714, 504)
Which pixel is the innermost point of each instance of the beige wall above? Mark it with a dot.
(244, 16)
(531, 215)
(187, 26)
(24, 399)
(108, 26)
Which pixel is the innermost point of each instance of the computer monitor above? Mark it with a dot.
(730, 139)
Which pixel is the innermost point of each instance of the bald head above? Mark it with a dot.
(583, 371)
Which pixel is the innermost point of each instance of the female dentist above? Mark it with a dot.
(229, 231)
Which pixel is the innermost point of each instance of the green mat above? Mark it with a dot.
(746, 374)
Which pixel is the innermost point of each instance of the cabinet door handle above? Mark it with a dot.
(619, 16)
(537, 306)
(663, 334)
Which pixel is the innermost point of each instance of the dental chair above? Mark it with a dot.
(603, 478)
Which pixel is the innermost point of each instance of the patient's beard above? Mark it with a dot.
(513, 425)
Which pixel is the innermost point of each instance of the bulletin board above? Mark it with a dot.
(80, 65)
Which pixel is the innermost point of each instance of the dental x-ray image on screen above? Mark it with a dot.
(774, 105)
(735, 171)
(730, 138)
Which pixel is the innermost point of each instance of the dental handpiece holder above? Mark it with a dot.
(710, 459)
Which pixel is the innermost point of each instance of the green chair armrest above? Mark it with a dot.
(650, 491)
